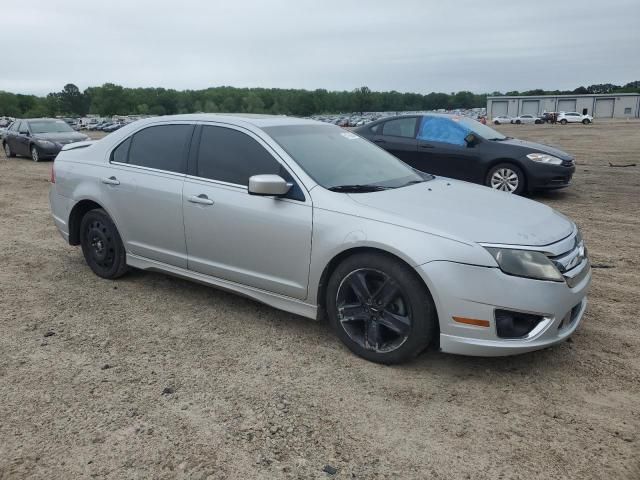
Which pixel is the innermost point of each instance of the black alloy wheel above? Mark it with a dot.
(380, 309)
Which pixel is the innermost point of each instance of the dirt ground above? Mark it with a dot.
(155, 377)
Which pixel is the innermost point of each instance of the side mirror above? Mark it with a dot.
(471, 139)
(268, 185)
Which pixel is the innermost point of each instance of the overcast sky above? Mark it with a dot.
(404, 45)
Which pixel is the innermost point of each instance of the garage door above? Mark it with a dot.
(531, 107)
(604, 108)
(499, 108)
(566, 105)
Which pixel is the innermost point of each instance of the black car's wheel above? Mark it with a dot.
(380, 309)
(586, 121)
(563, 121)
(101, 245)
(35, 153)
(506, 177)
(7, 150)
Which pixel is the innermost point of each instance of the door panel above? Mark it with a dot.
(148, 207)
(448, 160)
(263, 242)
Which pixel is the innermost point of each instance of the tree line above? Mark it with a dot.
(111, 99)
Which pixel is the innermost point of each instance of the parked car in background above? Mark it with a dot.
(39, 138)
(462, 148)
(526, 118)
(549, 117)
(3, 131)
(500, 119)
(399, 258)
(574, 117)
(113, 127)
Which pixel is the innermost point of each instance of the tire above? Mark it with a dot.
(102, 246)
(506, 177)
(563, 121)
(35, 153)
(7, 150)
(586, 121)
(401, 317)
(496, 122)
(518, 122)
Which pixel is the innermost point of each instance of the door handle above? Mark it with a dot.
(426, 145)
(379, 141)
(202, 199)
(111, 181)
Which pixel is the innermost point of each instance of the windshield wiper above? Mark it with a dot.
(357, 188)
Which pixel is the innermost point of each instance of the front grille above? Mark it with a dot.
(572, 258)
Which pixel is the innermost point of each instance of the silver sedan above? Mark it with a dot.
(315, 220)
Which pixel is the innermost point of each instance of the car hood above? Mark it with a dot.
(536, 147)
(62, 137)
(467, 212)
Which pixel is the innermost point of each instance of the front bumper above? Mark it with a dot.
(472, 292)
(545, 176)
(49, 151)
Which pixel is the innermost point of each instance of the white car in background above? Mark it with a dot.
(526, 119)
(500, 119)
(574, 117)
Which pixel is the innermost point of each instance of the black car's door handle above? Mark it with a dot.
(426, 145)
(379, 140)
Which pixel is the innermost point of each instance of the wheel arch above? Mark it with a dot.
(339, 257)
(75, 218)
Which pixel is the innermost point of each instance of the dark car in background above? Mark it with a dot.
(39, 138)
(460, 147)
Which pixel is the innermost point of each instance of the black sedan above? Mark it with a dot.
(462, 148)
(39, 138)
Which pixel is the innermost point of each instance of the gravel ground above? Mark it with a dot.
(155, 377)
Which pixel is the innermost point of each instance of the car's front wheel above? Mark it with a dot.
(380, 309)
(35, 154)
(496, 122)
(518, 122)
(586, 121)
(506, 177)
(563, 121)
(102, 246)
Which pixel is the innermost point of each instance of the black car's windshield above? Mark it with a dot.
(480, 129)
(342, 161)
(49, 126)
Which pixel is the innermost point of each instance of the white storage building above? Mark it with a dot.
(619, 105)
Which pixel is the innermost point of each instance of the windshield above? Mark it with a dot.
(483, 131)
(334, 157)
(49, 126)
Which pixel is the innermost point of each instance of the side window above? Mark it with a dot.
(163, 147)
(444, 130)
(121, 152)
(400, 127)
(232, 156)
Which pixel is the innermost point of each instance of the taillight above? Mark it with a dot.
(52, 175)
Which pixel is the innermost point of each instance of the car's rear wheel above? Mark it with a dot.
(35, 154)
(380, 309)
(506, 177)
(496, 122)
(586, 121)
(7, 150)
(518, 122)
(102, 246)
(563, 121)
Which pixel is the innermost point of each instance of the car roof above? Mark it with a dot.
(257, 120)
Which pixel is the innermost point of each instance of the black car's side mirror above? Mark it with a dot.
(471, 139)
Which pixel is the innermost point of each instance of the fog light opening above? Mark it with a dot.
(515, 324)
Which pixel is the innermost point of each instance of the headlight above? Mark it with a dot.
(526, 263)
(45, 143)
(544, 158)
